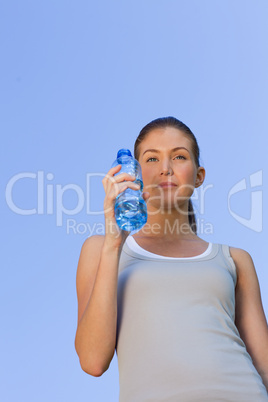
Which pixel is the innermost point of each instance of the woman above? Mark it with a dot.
(185, 316)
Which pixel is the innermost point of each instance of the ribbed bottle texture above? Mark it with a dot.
(130, 207)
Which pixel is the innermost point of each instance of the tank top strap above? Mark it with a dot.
(225, 249)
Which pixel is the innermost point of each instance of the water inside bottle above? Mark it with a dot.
(131, 215)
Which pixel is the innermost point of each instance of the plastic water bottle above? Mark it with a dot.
(130, 207)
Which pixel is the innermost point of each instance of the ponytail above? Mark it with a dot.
(191, 217)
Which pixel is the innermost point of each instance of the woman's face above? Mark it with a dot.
(168, 168)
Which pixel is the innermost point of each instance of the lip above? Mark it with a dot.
(167, 184)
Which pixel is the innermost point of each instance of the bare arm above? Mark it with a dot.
(250, 317)
(97, 274)
(96, 282)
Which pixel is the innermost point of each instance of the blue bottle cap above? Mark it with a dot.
(122, 152)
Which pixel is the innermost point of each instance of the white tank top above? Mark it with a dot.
(176, 335)
(133, 245)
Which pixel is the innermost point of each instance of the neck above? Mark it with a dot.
(167, 224)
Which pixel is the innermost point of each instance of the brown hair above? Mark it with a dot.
(170, 121)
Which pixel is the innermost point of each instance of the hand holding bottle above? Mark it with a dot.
(113, 186)
(124, 205)
(130, 207)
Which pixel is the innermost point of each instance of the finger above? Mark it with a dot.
(146, 196)
(117, 189)
(115, 180)
(122, 186)
(122, 176)
(114, 169)
(111, 172)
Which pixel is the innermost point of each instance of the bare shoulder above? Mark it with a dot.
(90, 253)
(239, 254)
(87, 269)
(93, 241)
(246, 272)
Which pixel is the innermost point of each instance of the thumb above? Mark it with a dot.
(146, 196)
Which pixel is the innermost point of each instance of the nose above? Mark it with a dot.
(166, 169)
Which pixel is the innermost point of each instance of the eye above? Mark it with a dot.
(152, 159)
(180, 157)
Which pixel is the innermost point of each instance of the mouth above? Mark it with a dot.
(167, 184)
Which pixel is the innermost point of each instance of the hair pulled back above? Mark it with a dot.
(170, 121)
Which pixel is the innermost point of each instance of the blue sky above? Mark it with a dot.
(78, 81)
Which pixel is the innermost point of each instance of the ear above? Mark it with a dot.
(200, 176)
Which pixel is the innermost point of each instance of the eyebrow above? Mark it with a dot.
(157, 151)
